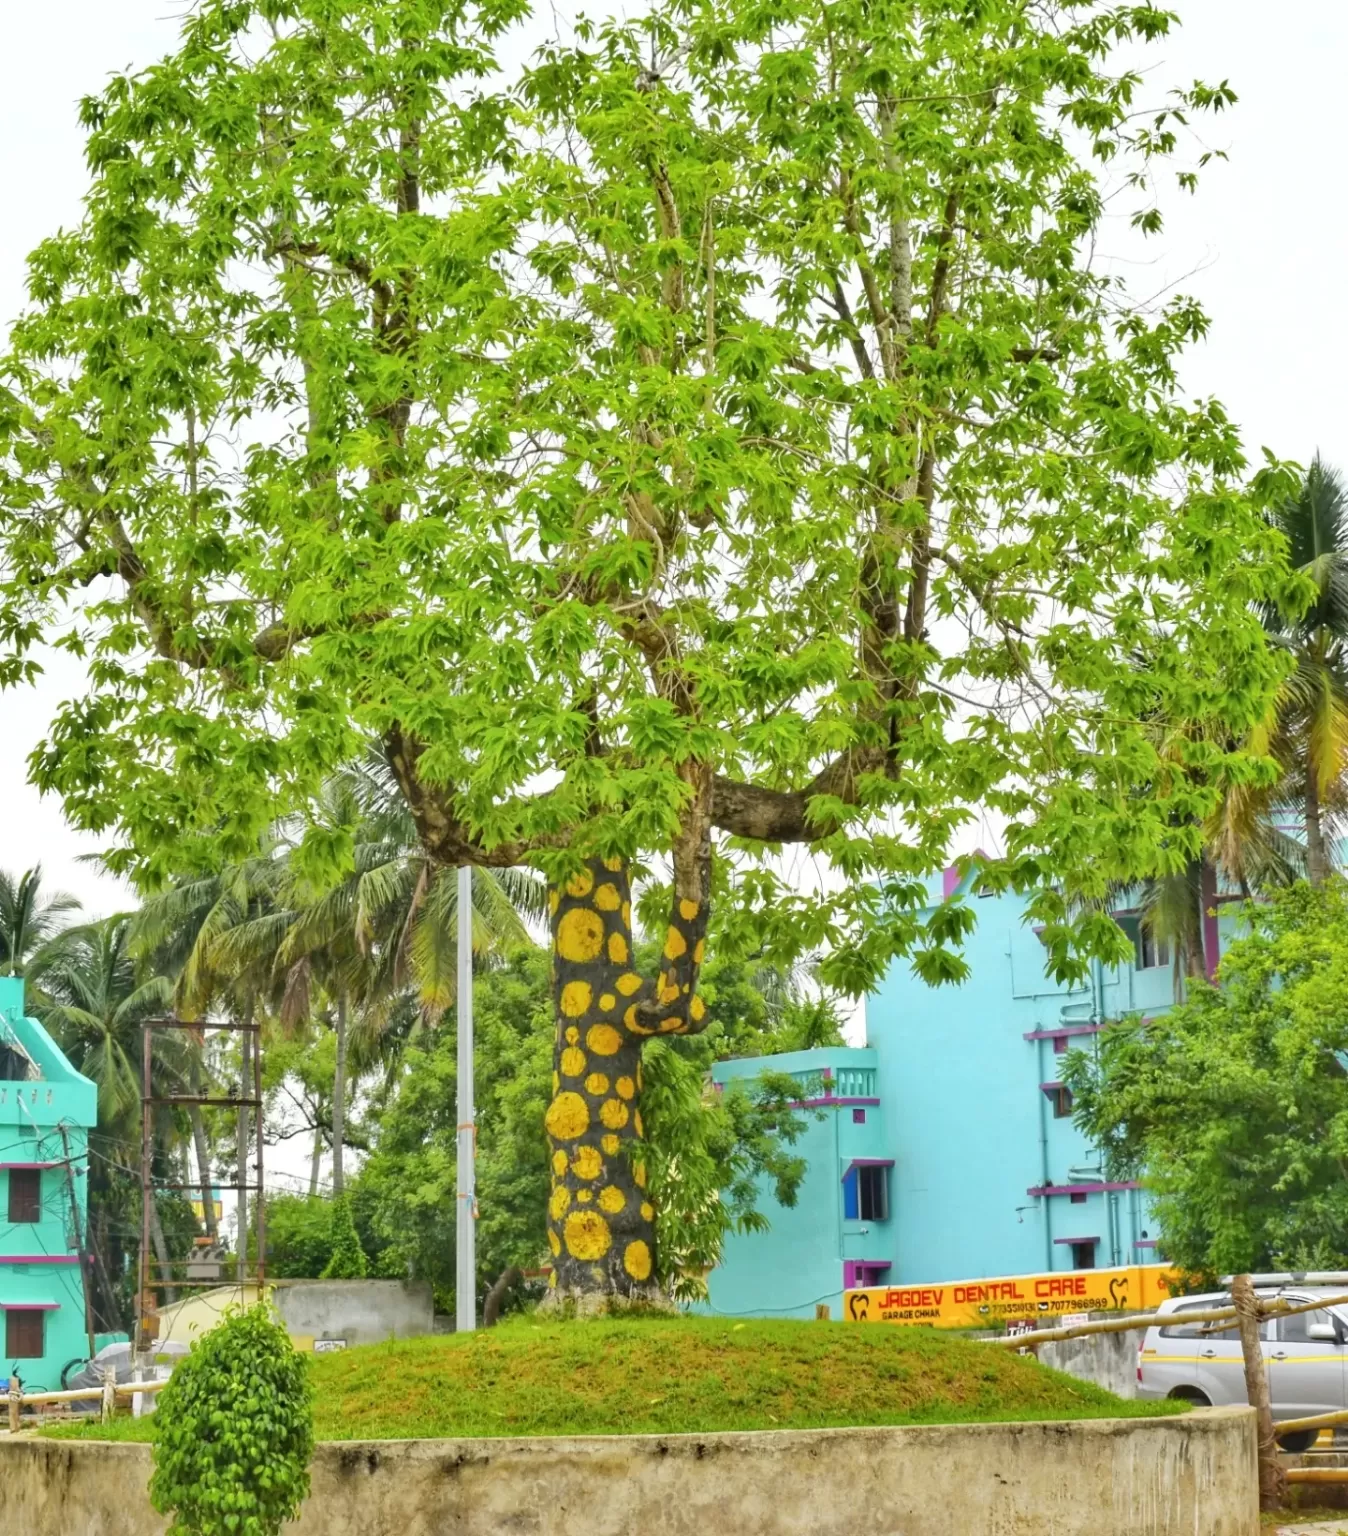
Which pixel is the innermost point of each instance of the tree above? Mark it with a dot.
(1233, 1105)
(29, 922)
(713, 441)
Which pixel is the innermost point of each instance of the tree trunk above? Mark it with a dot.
(1317, 859)
(316, 1165)
(339, 1101)
(242, 1140)
(160, 1248)
(601, 1225)
(495, 1300)
(1272, 1483)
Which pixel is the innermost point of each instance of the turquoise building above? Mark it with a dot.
(945, 1149)
(46, 1111)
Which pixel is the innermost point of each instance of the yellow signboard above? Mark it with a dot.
(1014, 1298)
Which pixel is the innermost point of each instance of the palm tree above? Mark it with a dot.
(96, 1003)
(1306, 730)
(29, 921)
(352, 954)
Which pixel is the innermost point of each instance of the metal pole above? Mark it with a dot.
(465, 1250)
(259, 1198)
(146, 1195)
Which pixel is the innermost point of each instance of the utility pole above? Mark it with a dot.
(465, 1245)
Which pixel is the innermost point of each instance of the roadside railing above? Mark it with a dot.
(1248, 1310)
(105, 1396)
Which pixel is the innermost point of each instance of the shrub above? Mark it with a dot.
(235, 1431)
(348, 1257)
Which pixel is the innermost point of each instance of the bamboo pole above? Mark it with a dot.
(1312, 1421)
(1317, 1474)
(75, 1395)
(1272, 1487)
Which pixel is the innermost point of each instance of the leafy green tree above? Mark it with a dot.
(29, 921)
(711, 438)
(299, 1236)
(235, 1431)
(1233, 1106)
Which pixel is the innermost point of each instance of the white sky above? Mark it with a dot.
(1264, 243)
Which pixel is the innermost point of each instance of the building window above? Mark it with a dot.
(1151, 951)
(1062, 1102)
(1077, 1197)
(858, 1117)
(25, 1195)
(866, 1193)
(1083, 1255)
(23, 1334)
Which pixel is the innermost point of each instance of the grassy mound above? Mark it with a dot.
(665, 1375)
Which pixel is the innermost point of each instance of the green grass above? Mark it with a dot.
(666, 1375)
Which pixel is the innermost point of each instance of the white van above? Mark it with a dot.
(1305, 1355)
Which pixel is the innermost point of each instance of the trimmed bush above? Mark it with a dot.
(348, 1261)
(234, 1432)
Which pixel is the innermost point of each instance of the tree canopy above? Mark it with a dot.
(717, 433)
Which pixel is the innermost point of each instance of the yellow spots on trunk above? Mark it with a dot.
(633, 1023)
(559, 1162)
(607, 1003)
(587, 1163)
(613, 865)
(669, 992)
(559, 1203)
(647, 1211)
(603, 1040)
(628, 983)
(580, 936)
(556, 1081)
(627, 914)
(568, 1117)
(572, 1035)
(585, 1196)
(555, 1243)
(610, 1145)
(624, 1087)
(554, 899)
(572, 1062)
(697, 1010)
(611, 1200)
(636, 1121)
(687, 910)
(580, 885)
(587, 1235)
(552, 1278)
(699, 949)
(675, 944)
(596, 1085)
(613, 1112)
(641, 1077)
(607, 899)
(637, 1260)
(639, 1173)
(617, 949)
(670, 1026)
(575, 999)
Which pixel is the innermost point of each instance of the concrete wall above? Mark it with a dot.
(1107, 1359)
(359, 1311)
(1111, 1477)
